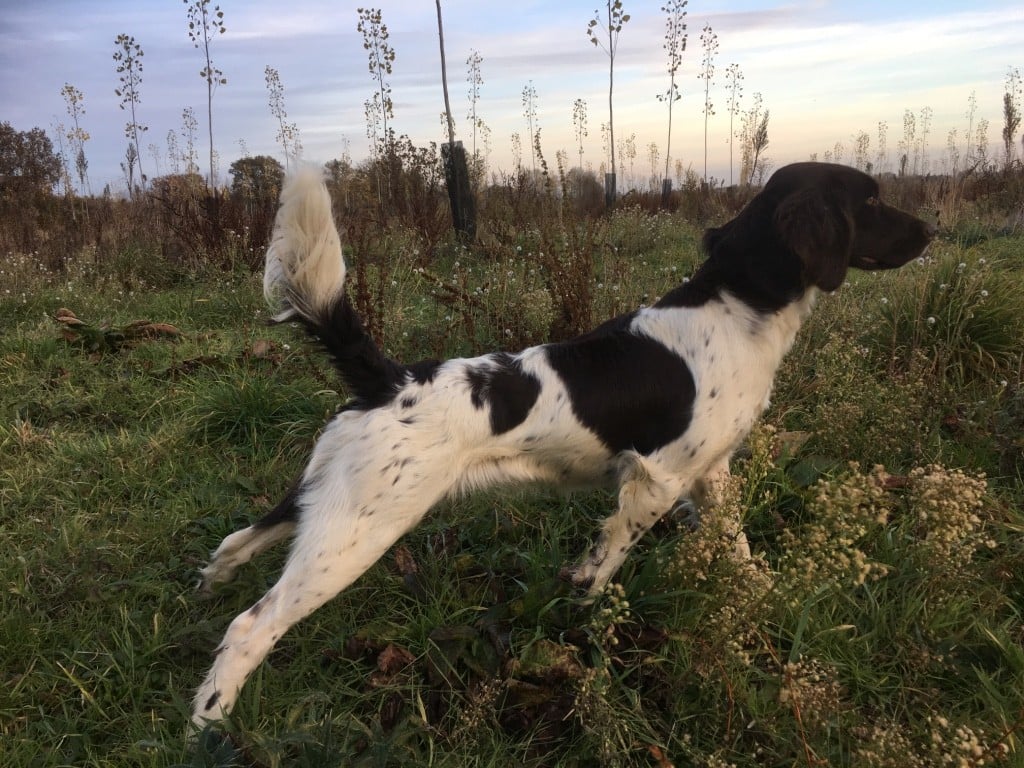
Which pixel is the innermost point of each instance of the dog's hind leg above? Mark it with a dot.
(241, 546)
(646, 492)
(340, 535)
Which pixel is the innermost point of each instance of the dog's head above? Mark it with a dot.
(831, 217)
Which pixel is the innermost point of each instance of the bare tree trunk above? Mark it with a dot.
(444, 78)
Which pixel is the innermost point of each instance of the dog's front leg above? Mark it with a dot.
(646, 492)
(708, 498)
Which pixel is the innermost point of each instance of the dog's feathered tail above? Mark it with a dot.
(305, 268)
(304, 280)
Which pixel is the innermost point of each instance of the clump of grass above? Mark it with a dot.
(964, 313)
(251, 411)
(857, 410)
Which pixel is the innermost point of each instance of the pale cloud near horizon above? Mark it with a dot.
(824, 72)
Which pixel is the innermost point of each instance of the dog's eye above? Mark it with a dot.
(874, 201)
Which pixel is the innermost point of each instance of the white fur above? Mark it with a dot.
(305, 267)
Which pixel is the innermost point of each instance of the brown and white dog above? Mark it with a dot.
(653, 402)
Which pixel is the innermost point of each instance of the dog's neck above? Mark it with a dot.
(750, 334)
(772, 333)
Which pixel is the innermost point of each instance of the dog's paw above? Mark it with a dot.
(578, 576)
(687, 514)
(587, 576)
(210, 575)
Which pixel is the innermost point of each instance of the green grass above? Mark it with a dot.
(880, 625)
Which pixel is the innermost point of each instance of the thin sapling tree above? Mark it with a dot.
(675, 45)
(449, 121)
(608, 40)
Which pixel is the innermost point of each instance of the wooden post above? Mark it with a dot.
(609, 190)
(453, 156)
(460, 191)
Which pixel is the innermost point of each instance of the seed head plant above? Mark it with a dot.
(529, 99)
(379, 109)
(922, 149)
(60, 133)
(579, 124)
(1011, 113)
(861, 146)
(287, 133)
(129, 69)
(882, 157)
(906, 146)
(709, 44)
(653, 155)
(154, 152)
(944, 742)
(837, 154)
(734, 85)
(812, 690)
(372, 116)
(970, 114)
(517, 153)
(753, 141)
(947, 521)
(981, 143)
(204, 25)
(173, 155)
(953, 152)
(380, 56)
(189, 125)
(475, 79)
(74, 101)
(675, 45)
(825, 551)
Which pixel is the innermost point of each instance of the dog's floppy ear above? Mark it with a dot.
(819, 231)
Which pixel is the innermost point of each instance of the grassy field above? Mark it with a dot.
(880, 623)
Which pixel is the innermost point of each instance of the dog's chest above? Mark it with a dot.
(733, 353)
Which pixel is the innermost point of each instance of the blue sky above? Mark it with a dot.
(826, 71)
